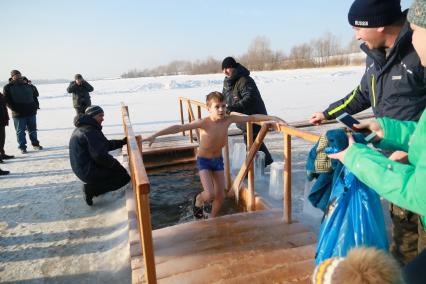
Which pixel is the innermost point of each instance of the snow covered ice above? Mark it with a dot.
(47, 231)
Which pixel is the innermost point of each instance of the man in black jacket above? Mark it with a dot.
(19, 98)
(4, 121)
(243, 96)
(80, 90)
(393, 85)
(89, 157)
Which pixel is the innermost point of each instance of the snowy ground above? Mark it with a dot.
(48, 233)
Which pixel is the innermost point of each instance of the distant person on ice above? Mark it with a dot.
(19, 98)
(243, 96)
(80, 90)
(213, 136)
(89, 157)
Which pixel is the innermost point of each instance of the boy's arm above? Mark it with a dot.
(238, 118)
(175, 129)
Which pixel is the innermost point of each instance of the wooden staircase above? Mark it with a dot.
(256, 247)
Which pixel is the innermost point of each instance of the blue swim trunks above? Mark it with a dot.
(211, 164)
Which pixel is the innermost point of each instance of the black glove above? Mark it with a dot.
(124, 140)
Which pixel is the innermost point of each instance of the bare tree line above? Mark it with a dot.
(320, 52)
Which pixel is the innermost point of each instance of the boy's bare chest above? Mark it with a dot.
(214, 134)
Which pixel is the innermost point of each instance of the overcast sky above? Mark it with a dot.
(48, 39)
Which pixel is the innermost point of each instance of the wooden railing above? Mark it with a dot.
(141, 189)
(247, 169)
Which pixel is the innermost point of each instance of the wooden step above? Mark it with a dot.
(256, 247)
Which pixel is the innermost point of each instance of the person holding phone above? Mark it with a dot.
(394, 86)
(401, 183)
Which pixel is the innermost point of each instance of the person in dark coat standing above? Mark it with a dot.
(4, 121)
(80, 90)
(89, 157)
(243, 96)
(20, 99)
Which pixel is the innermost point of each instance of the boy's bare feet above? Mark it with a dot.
(197, 208)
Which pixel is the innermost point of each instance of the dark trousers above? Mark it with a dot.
(408, 234)
(22, 124)
(115, 180)
(2, 139)
(81, 108)
(414, 272)
(268, 157)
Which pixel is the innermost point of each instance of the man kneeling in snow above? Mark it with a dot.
(89, 157)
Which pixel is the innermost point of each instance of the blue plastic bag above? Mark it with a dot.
(337, 140)
(353, 218)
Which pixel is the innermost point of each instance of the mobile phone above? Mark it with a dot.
(349, 121)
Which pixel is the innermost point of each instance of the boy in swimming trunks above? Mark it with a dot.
(213, 132)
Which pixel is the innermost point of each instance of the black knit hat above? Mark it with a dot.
(374, 13)
(78, 77)
(229, 62)
(93, 111)
(14, 72)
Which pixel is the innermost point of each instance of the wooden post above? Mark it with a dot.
(189, 121)
(228, 179)
(287, 178)
(199, 112)
(145, 227)
(182, 121)
(146, 234)
(251, 202)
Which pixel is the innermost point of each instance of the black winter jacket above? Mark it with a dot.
(89, 148)
(4, 115)
(36, 94)
(80, 93)
(19, 98)
(394, 87)
(242, 94)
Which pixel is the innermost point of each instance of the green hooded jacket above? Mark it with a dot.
(401, 184)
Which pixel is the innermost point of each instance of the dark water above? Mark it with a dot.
(172, 191)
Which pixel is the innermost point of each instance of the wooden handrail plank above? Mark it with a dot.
(287, 178)
(311, 137)
(250, 177)
(141, 190)
(194, 102)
